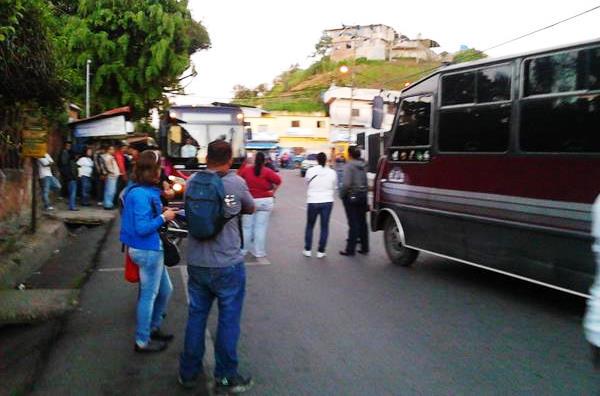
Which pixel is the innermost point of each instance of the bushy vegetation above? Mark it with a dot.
(300, 90)
(468, 55)
(139, 50)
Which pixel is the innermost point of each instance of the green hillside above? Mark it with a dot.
(299, 90)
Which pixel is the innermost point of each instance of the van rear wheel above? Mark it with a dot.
(396, 251)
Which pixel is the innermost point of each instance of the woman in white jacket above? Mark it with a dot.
(322, 182)
(591, 322)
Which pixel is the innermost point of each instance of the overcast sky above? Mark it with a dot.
(254, 41)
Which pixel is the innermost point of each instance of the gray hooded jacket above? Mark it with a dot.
(355, 178)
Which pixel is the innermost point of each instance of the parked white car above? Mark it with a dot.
(309, 162)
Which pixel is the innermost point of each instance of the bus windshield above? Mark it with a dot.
(192, 129)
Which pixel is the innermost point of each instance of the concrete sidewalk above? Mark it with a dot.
(54, 265)
(94, 355)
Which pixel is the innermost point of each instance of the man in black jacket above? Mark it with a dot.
(354, 192)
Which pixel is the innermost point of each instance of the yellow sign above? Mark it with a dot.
(34, 143)
(175, 134)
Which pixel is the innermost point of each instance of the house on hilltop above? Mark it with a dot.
(371, 42)
(377, 42)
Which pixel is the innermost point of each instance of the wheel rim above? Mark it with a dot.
(395, 241)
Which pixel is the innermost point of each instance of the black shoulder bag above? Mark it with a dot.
(172, 257)
(171, 253)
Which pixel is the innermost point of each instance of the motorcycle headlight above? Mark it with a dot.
(177, 187)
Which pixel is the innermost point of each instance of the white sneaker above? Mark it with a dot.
(307, 253)
(50, 208)
(321, 254)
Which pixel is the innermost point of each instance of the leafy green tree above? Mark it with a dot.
(243, 92)
(29, 66)
(138, 48)
(468, 55)
(323, 47)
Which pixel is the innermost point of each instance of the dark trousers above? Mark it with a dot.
(121, 184)
(99, 188)
(357, 226)
(86, 188)
(314, 210)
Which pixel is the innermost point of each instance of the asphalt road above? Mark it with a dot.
(343, 326)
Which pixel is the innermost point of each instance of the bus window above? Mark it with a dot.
(594, 76)
(458, 88)
(475, 129)
(493, 84)
(565, 124)
(413, 122)
(484, 125)
(562, 72)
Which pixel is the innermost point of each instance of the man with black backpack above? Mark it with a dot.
(214, 201)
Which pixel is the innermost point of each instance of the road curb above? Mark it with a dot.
(35, 251)
(30, 346)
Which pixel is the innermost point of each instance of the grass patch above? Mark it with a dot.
(299, 90)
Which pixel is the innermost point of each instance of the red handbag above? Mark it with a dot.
(132, 271)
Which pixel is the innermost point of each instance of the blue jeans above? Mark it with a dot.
(110, 188)
(317, 209)
(86, 188)
(155, 290)
(228, 286)
(72, 194)
(255, 227)
(48, 183)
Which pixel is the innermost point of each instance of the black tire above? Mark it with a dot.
(398, 253)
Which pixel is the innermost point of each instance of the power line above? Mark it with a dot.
(405, 77)
(543, 28)
(502, 43)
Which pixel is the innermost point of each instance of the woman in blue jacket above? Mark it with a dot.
(141, 218)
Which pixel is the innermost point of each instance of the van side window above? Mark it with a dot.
(483, 125)
(562, 72)
(475, 129)
(564, 123)
(493, 84)
(594, 76)
(567, 124)
(458, 88)
(414, 122)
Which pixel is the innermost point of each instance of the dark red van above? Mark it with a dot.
(496, 163)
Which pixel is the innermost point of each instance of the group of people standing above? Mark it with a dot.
(100, 171)
(215, 266)
(322, 182)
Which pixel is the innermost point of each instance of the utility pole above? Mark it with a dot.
(351, 104)
(87, 87)
(351, 92)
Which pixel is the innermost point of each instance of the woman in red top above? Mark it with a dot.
(262, 183)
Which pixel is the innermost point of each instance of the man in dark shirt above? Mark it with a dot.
(64, 167)
(216, 270)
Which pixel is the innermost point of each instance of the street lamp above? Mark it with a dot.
(87, 87)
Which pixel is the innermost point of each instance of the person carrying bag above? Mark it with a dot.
(354, 192)
(141, 219)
